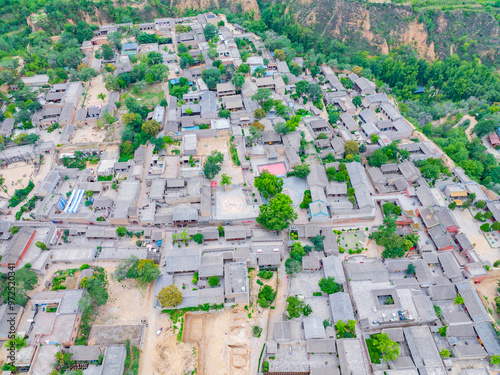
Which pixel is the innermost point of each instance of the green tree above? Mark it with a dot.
(266, 296)
(151, 127)
(329, 286)
(210, 31)
(238, 80)
(255, 133)
(198, 238)
(107, 52)
(317, 241)
(18, 342)
(388, 348)
(25, 278)
(445, 353)
(211, 77)
(452, 205)
(154, 58)
(213, 281)
(378, 158)
(170, 296)
(280, 54)
(315, 70)
(357, 101)
(458, 300)
(292, 266)
(121, 231)
(411, 269)
(278, 213)
(442, 330)
(301, 171)
(147, 271)
(330, 173)
(259, 72)
(485, 227)
(225, 180)
(268, 184)
(495, 226)
(480, 204)
(495, 359)
(388, 208)
(41, 245)
(351, 148)
(259, 113)
(243, 68)
(127, 148)
(297, 251)
(262, 96)
(314, 91)
(213, 164)
(101, 96)
(301, 87)
(224, 113)
(296, 307)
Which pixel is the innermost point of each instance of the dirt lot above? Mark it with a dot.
(488, 288)
(119, 309)
(16, 177)
(88, 134)
(223, 339)
(207, 145)
(105, 335)
(94, 88)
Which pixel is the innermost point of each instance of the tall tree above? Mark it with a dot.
(278, 214)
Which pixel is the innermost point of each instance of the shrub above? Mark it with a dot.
(317, 294)
(198, 238)
(265, 366)
(485, 227)
(213, 281)
(256, 331)
(266, 275)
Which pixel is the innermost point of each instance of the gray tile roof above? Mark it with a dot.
(488, 337)
(341, 307)
(472, 303)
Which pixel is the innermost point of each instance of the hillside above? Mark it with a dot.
(362, 26)
(381, 27)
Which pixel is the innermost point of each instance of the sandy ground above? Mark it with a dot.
(119, 310)
(488, 289)
(223, 341)
(94, 88)
(207, 145)
(16, 177)
(88, 134)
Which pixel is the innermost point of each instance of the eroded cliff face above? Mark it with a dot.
(234, 5)
(387, 26)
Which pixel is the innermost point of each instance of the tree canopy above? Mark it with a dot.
(213, 164)
(170, 296)
(268, 184)
(278, 214)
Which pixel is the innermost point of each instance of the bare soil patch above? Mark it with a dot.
(223, 341)
(106, 335)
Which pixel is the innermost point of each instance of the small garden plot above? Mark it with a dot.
(65, 279)
(149, 95)
(351, 241)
